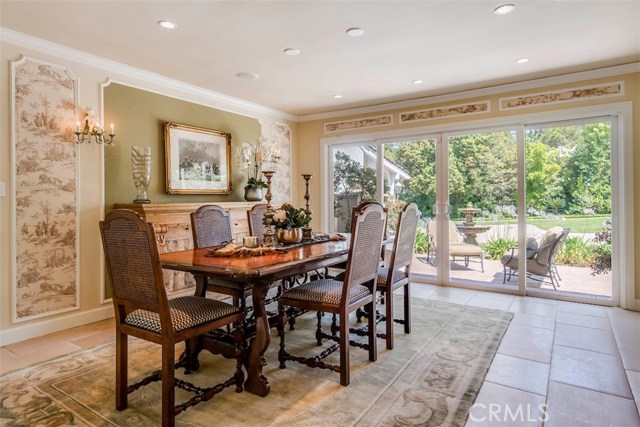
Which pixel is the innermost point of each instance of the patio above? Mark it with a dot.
(574, 279)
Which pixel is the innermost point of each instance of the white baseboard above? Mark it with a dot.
(44, 327)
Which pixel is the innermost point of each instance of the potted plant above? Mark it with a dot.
(288, 222)
(251, 158)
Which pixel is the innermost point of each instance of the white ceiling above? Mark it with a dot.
(451, 45)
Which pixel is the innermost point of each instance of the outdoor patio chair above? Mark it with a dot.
(456, 248)
(540, 260)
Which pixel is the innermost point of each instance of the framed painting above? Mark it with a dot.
(198, 161)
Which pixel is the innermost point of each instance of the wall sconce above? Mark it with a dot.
(92, 128)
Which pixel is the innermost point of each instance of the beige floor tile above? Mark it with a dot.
(95, 339)
(457, 293)
(573, 406)
(634, 382)
(619, 316)
(547, 301)
(585, 338)
(522, 374)
(436, 297)
(630, 359)
(42, 345)
(583, 320)
(528, 343)
(585, 309)
(533, 307)
(495, 304)
(589, 369)
(496, 295)
(420, 290)
(500, 406)
(534, 320)
(627, 336)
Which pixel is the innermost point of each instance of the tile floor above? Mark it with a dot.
(560, 364)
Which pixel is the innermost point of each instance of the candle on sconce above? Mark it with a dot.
(77, 126)
(113, 129)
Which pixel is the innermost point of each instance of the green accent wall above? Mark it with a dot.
(139, 118)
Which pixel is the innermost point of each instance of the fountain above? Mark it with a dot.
(468, 227)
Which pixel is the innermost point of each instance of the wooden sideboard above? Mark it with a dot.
(172, 225)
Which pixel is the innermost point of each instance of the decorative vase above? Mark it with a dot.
(141, 171)
(252, 194)
(287, 237)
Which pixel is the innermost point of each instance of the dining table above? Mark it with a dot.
(260, 272)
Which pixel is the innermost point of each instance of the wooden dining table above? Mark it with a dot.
(260, 272)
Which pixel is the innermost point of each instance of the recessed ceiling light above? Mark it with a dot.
(167, 24)
(337, 96)
(355, 32)
(418, 82)
(291, 51)
(247, 76)
(504, 9)
(522, 60)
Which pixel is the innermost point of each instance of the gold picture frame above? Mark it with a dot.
(198, 160)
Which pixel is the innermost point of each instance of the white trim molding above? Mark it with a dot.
(190, 92)
(49, 326)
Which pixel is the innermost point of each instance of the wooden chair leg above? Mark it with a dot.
(319, 329)
(282, 320)
(345, 373)
(168, 385)
(373, 332)
(407, 308)
(122, 347)
(389, 320)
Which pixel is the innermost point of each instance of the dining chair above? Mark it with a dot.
(396, 275)
(211, 226)
(143, 310)
(255, 215)
(342, 297)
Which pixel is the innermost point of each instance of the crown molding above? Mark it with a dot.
(213, 99)
(617, 70)
(236, 105)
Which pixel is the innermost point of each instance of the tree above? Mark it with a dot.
(352, 184)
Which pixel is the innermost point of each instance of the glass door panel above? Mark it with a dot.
(409, 176)
(354, 181)
(482, 226)
(568, 182)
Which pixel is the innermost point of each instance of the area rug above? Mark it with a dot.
(431, 378)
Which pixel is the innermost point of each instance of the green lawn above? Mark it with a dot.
(589, 224)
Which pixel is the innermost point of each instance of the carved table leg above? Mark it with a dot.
(256, 382)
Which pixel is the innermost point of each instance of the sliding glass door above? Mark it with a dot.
(525, 209)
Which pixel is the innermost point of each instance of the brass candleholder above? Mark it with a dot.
(269, 237)
(307, 232)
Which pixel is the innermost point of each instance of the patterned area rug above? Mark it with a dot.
(431, 378)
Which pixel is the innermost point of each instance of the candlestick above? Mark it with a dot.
(307, 232)
(269, 237)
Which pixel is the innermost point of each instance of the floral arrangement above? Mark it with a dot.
(252, 158)
(289, 217)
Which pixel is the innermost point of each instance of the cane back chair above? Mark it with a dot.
(255, 215)
(396, 275)
(211, 226)
(143, 310)
(341, 298)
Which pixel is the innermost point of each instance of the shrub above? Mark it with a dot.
(495, 248)
(576, 251)
(601, 262)
(422, 242)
